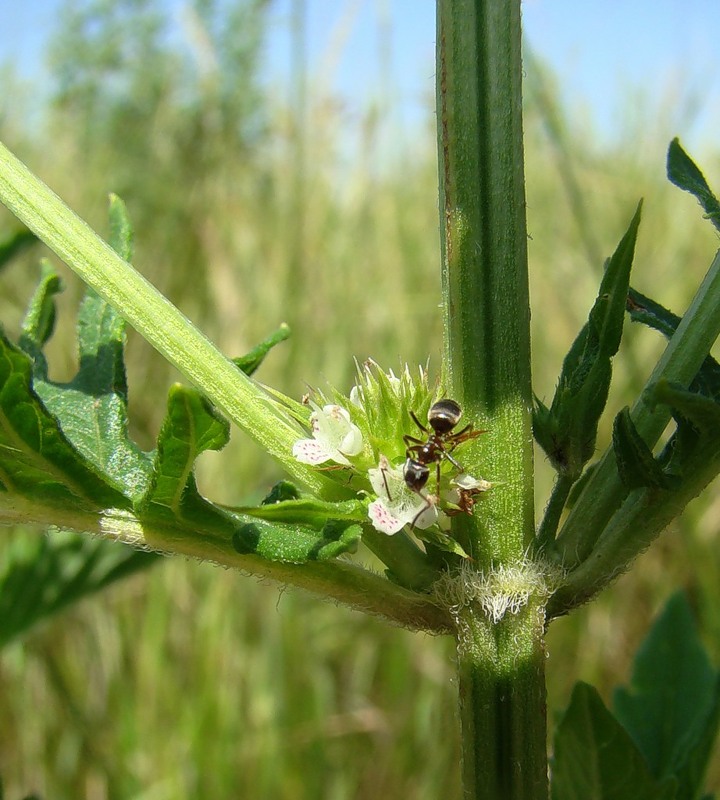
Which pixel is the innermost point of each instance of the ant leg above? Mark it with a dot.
(428, 504)
(387, 488)
(416, 443)
(455, 463)
(418, 423)
(465, 435)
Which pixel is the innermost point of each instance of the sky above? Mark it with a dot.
(602, 53)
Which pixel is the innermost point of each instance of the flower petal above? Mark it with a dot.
(332, 426)
(311, 451)
(352, 444)
(382, 518)
(427, 518)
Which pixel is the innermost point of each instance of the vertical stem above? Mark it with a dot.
(484, 243)
(501, 680)
(487, 369)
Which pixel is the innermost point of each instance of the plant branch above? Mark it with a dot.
(345, 583)
(683, 356)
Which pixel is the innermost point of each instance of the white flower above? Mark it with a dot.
(396, 504)
(334, 437)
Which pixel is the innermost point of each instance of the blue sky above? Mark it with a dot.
(602, 53)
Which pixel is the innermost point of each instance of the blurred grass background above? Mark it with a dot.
(189, 681)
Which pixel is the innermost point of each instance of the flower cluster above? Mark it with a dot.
(365, 434)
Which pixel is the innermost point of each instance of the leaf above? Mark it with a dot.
(295, 531)
(36, 459)
(121, 231)
(92, 407)
(442, 541)
(697, 436)
(297, 544)
(684, 173)
(636, 464)
(308, 511)
(701, 411)
(252, 360)
(672, 706)
(191, 426)
(567, 431)
(42, 575)
(595, 758)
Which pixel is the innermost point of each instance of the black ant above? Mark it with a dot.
(442, 418)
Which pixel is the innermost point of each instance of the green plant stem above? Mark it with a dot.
(155, 318)
(501, 673)
(645, 513)
(484, 249)
(344, 582)
(487, 370)
(604, 492)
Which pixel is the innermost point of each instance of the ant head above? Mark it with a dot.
(444, 415)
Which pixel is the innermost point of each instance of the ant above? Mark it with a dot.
(441, 441)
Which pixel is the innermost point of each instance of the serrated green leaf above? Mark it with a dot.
(191, 426)
(636, 464)
(42, 575)
(253, 359)
(568, 431)
(672, 706)
(595, 758)
(92, 407)
(14, 244)
(36, 459)
(684, 173)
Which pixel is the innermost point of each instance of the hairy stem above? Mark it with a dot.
(484, 248)
(487, 370)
